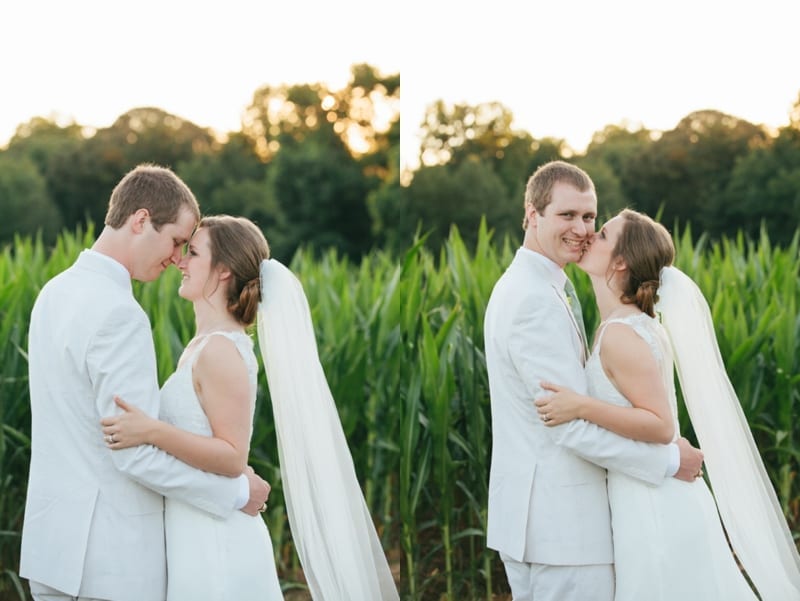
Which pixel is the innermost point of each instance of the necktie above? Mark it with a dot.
(575, 305)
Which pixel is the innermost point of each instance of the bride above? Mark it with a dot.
(206, 420)
(668, 540)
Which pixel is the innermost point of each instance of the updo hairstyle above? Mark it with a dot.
(239, 245)
(646, 247)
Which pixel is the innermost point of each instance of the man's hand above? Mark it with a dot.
(691, 461)
(259, 493)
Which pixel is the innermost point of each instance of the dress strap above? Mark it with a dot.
(199, 342)
(638, 324)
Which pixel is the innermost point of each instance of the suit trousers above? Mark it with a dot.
(42, 592)
(541, 582)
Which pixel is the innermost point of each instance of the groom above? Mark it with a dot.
(93, 525)
(549, 516)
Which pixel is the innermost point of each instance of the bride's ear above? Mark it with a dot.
(619, 264)
(224, 273)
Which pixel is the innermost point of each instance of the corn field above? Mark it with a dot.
(401, 341)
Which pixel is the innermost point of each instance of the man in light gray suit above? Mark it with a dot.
(93, 526)
(549, 516)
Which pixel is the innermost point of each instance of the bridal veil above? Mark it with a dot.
(745, 497)
(331, 525)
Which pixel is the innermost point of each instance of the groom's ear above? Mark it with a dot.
(137, 220)
(530, 213)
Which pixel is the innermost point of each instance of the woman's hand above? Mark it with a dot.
(561, 407)
(130, 428)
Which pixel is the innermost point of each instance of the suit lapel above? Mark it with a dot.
(537, 270)
(563, 298)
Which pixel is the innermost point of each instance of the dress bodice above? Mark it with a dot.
(668, 540)
(180, 405)
(652, 332)
(210, 558)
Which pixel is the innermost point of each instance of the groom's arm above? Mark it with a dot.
(541, 349)
(121, 360)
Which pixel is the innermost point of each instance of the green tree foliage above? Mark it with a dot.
(611, 197)
(308, 155)
(764, 189)
(386, 203)
(474, 164)
(321, 191)
(686, 170)
(81, 168)
(303, 166)
(327, 151)
(44, 142)
(214, 174)
(461, 195)
(719, 173)
(608, 159)
(26, 206)
(289, 113)
(460, 133)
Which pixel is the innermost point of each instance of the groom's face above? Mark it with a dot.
(157, 249)
(564, 228)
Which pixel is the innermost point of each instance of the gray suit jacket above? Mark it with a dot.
(548, 501)
(94, 518)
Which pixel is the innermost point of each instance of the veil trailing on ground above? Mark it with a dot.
(331, 526)
(745, 497)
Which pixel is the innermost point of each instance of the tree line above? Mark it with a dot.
(714, 174)
(305, 165)
(320, 168)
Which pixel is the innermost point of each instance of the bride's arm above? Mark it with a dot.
(630, 365)
(222, 384)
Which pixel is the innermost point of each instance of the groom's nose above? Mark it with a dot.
(586, 229)
(176, 256)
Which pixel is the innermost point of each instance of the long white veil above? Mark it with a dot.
(331, 526)
(745, 497)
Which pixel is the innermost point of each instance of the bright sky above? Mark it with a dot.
(565, 68)
(93, 60)
(568, 68)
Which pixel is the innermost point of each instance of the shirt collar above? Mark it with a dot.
(558, 274)
(119, 269)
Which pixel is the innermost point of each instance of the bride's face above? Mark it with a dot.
(596, 260)
(199, 280)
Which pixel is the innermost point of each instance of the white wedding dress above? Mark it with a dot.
(210, 558)
(669, 543)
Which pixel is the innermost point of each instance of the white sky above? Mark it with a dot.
(568, 68)
(565, 68)
(93, 60)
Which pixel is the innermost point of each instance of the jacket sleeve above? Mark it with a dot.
(542, 348)
(121, 361)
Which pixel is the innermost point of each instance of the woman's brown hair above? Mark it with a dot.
(239, 245)
(646, 247)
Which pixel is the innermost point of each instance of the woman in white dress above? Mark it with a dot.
(669, 542)
(206, 420)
